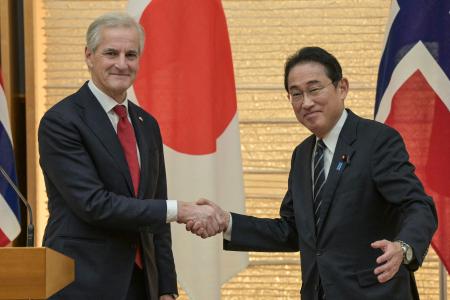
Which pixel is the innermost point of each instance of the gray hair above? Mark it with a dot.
(112, 20)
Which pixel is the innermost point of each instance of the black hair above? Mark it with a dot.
(314, 54)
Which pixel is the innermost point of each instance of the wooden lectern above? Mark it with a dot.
(33, 273)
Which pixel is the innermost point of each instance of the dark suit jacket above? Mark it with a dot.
(373, 195)
(94, 218)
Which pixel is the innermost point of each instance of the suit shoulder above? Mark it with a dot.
(63, 108)
(375, 127)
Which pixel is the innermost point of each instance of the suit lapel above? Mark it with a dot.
(97, 120)
(341, 158)
(304, 180)
(142, 141)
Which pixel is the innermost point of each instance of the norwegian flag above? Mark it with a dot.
(186, 82)
(413, 96)
(9, 204)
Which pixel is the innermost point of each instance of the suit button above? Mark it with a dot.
(318, 253)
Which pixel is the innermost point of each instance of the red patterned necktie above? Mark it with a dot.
(127, 139)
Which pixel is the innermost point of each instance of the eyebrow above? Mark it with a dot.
(307, 84)
(109, 49)
(115, 50)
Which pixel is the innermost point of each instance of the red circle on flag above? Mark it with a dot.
(186, 76)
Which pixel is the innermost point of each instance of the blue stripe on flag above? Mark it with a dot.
(8, 163)
(417, 20)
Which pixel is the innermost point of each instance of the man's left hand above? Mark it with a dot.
(166, 297)
(390, 261)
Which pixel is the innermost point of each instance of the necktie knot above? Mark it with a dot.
(321, 145)
(121, 111)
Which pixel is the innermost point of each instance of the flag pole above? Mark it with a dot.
(442, 282)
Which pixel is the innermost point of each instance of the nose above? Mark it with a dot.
(307, 101)
(121, 62)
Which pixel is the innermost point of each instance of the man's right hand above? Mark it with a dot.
(203, 218)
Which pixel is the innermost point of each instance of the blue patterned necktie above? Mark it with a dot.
(319, 180)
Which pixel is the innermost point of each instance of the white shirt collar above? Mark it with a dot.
(332, 137)
(106, 101)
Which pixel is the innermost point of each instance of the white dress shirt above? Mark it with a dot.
(108, 105)
(330, 140)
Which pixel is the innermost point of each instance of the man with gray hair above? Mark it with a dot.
(103, 164)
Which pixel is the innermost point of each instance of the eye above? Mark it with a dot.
(314, 90)
(110, 53)
(132, 55)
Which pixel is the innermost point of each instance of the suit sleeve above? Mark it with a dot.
(163, 240)
(396, 180)
(68, 166)
(263, 234)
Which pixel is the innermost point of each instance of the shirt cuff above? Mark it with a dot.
(172, 210)
(227, 233)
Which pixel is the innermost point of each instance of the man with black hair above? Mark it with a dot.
(354, 207)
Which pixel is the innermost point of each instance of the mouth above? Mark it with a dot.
(311, 114)
(120, 75)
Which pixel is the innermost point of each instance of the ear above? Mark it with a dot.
(88, 57)
(343, 88)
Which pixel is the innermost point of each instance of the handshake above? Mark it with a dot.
(203, 218)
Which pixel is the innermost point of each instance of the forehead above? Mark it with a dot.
(306, 73)
(119, 37)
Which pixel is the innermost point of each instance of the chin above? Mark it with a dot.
(314, 128)
(120, 87)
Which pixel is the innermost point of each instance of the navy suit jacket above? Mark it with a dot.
(371, 193)
(93, 216)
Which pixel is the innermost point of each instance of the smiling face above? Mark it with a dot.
(115, 62)
(320, 112)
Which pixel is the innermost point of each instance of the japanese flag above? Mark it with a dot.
(186, 82)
